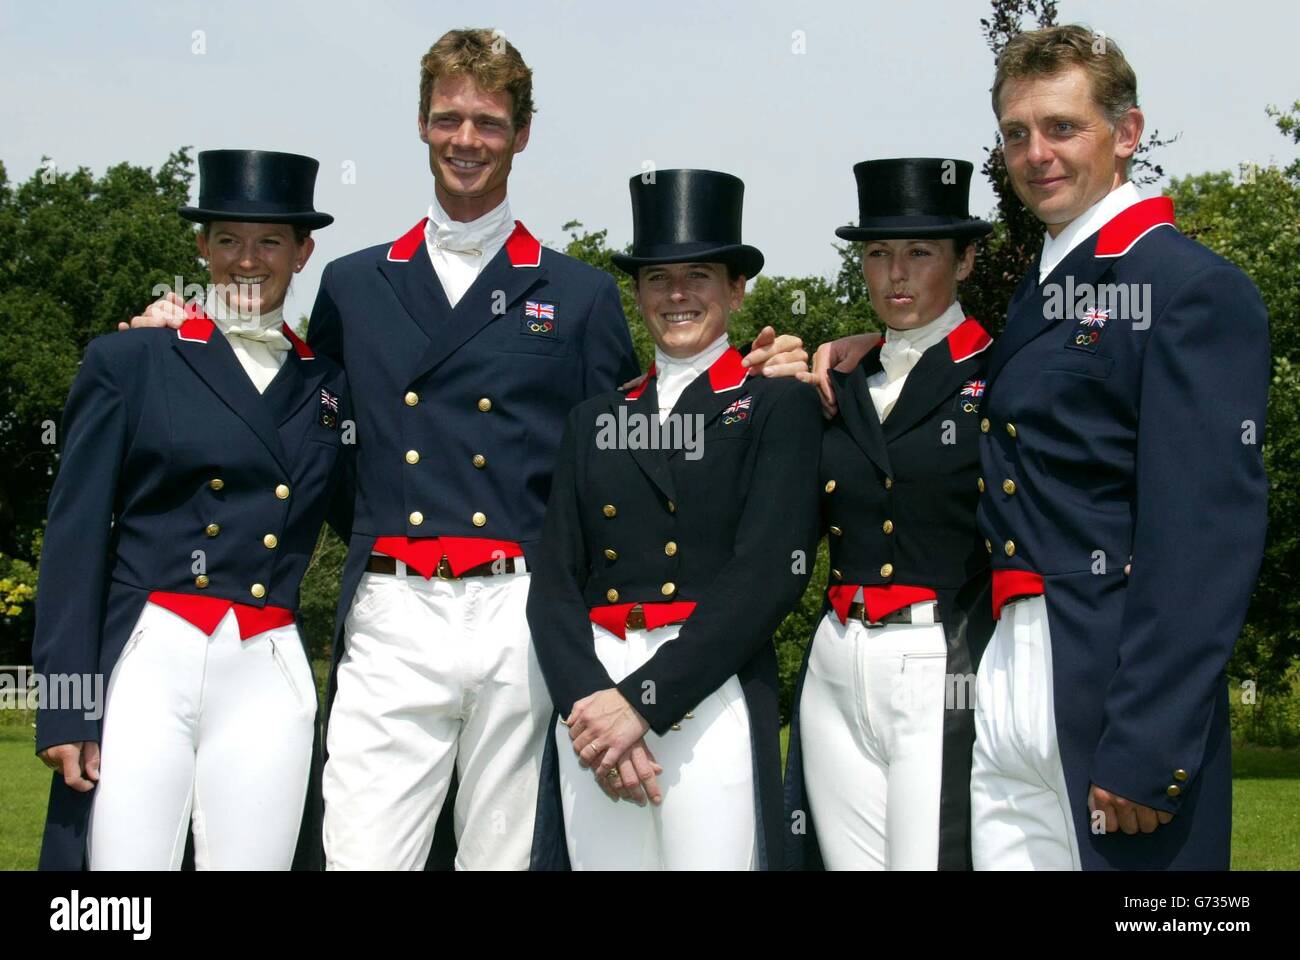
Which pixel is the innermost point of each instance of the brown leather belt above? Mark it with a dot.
(858, 611)
(381, 564)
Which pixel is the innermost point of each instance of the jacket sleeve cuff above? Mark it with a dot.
(1141, 779)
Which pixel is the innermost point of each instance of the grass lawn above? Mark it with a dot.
(1265, 832)
(24, 789)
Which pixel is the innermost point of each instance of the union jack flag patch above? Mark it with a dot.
(539, 317)
(1087, 333)
(972, 391)
(329, 409)
(738, 410)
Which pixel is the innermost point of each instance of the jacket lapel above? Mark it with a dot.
(510, 274)
(859, 412)
(936, 377)
(713, 391)
(1037, 308)
(1032, 310)
(297, 381)
(643, 402)
(410, 273)
(210, 356)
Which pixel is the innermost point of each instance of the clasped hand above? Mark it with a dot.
(608, 736)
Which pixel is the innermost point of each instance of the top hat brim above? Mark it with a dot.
(305, 218)
(957, 230)
(741, 257)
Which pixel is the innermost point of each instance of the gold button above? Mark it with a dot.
(1180, 774)
(412, 456)
(988, 545)
(889, 482)
(479, 519)
(1008, 486)
(257, 590)
(887, 570)
(980, 482)
(1011, 430)
(282, 492)
(212, 529)
(677, 726)
(837, 575)
(668, 589)
(837, 531)
(688, 716)
(611, 595)
(1009, 548)
(416, 518)
(411, 398)
(270, 541)
(670, 548)
(984, 425)
(485, 404)
(672, 507)
(830, 486)
(611, 554)
(609, 510)
(480, 461)
(201, 581)
(887, 526)
(1173, 790)
(216, 483)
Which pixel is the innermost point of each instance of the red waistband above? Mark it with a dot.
(880, 601)
(423, 553)
(206, 613)
(1011, 585)
(613, 616)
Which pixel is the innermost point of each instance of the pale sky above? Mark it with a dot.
(696, 84)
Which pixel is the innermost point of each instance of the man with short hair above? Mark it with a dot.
(466, 343)
(1125, 414)
(1123, 502)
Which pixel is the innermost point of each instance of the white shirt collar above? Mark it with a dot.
(695, 365)
(928, 334)
(227, 319)
(1056, 249)
(489, 231)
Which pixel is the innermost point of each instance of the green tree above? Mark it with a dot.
(1254, 221)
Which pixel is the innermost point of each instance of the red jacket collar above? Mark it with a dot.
(727, 373)
(304, 352)
(523, 249)
(198, 328)
(967, 339)
(1133, 223)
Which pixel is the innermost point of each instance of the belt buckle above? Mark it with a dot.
(444, 570)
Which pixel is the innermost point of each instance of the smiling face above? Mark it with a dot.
(255, 261)
(911, 282)
(686, 305)
(1062, 153)
(472, 142)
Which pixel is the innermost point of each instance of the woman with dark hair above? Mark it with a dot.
(880, 744)
(197, 467)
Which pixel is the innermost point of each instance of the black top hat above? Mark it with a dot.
(914, 198)
(688, 216)
(256, 186)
